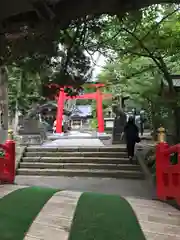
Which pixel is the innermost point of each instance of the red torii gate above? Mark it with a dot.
(98, 96)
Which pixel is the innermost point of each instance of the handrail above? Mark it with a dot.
(172, 149)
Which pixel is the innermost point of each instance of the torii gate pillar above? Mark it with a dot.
(60, 109)
(99, 109)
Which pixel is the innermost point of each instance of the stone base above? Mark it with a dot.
(118, 142)
(3, 136)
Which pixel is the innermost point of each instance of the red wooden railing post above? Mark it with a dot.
(10, 144)
(167, 172)
(7, 162)
(161, 162)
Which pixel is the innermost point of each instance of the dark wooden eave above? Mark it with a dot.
(14, 13)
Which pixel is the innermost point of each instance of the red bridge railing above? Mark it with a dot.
(7, 162)
(167, 174)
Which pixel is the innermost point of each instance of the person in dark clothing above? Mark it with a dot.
(131, 133)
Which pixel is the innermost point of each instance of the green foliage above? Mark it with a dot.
(24, 90)
(143, 53)
(38, 60)
(94, 124)
(2, 154)
(154, 36)
(142, 49)
(174, 158)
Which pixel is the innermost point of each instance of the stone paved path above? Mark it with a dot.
(54, 221)
(158, 220)
(123, 187)
(80, 142)
(6, 189)
(74, 138)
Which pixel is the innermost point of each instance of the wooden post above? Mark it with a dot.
(161, 161)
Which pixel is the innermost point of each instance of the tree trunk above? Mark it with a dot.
(3, 104)
(16, 118)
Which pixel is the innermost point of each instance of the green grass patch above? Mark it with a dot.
(104, 217)
(18, 210)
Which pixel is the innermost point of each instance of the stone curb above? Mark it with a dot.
(19, 154)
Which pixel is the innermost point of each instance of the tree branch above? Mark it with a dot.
(156, 60)
(103, 42)
(129, 51)
(140, 72)
(71, 45)
(158, 23)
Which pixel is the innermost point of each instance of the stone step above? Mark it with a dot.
(79, 166)
(78, 154)
(69, 154)
(99, 160)
(81, 173)
(77, 149)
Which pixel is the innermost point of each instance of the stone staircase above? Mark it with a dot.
(110, 162)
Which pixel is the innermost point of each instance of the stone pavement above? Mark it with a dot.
(77, 138)
(123, 187)
(73, 139)
(54, 221)
(158, 220)
(80, 142)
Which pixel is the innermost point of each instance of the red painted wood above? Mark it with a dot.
(99, 109)
(7, 162)
(98, 96)
(167, 174)
(60, 109)
(84, 96)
